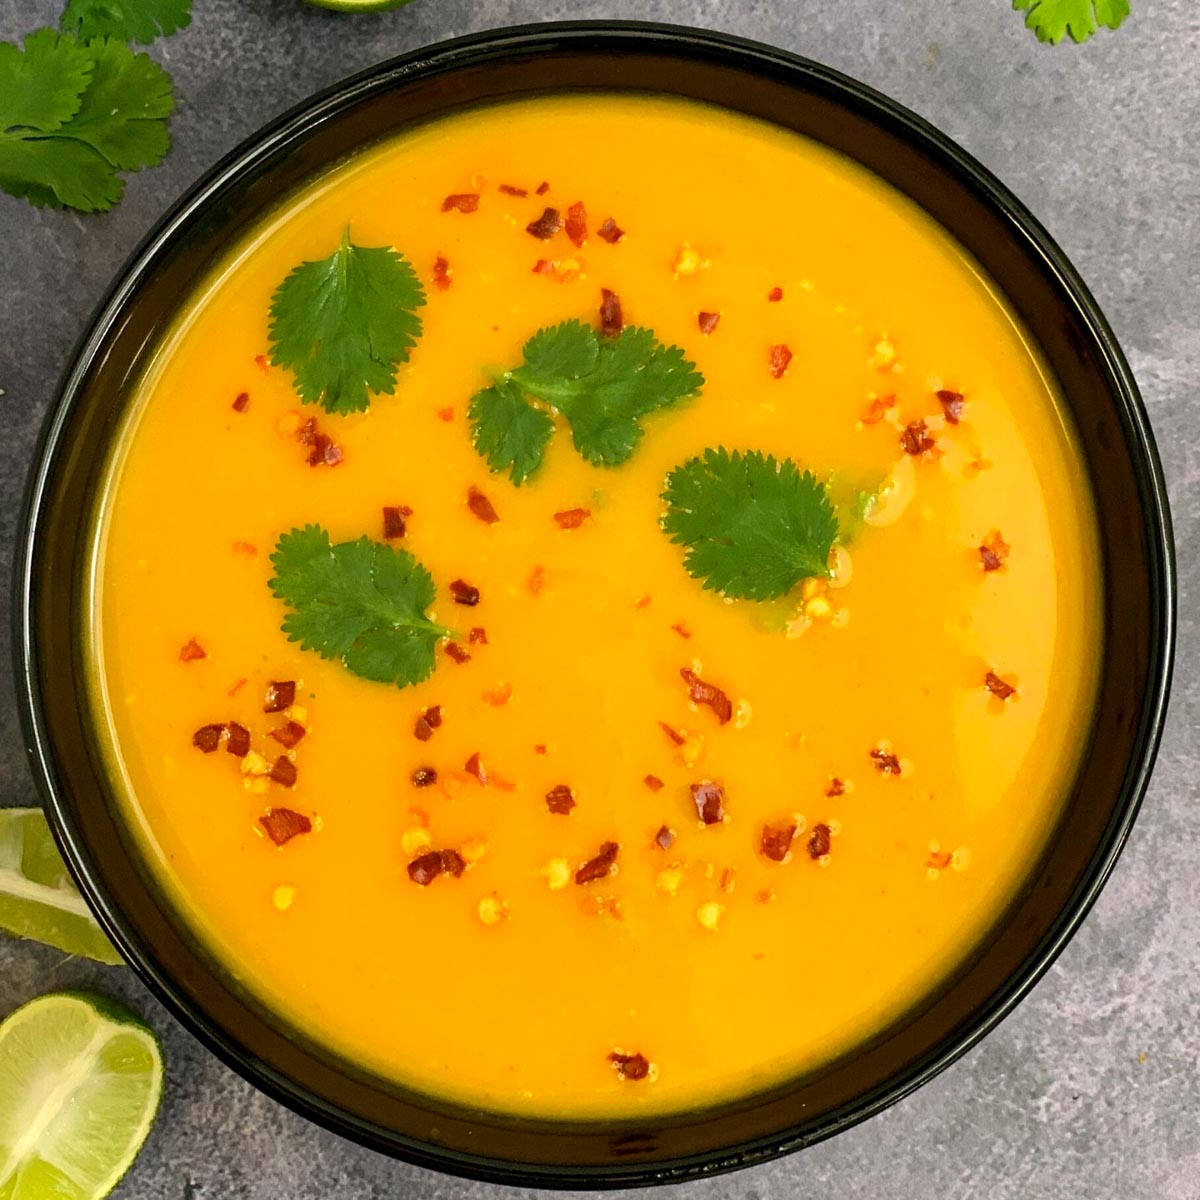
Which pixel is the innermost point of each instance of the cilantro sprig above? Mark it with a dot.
(127, 20)
(601, 386)
(343, 324)
(753, 526)
(1052, 20)
(362, 603)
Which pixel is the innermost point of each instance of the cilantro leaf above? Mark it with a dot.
(1051, 20)
(342, 325)
(603, 387)
(126, 20)
(362, 603)
(72, 116)
(753, 526)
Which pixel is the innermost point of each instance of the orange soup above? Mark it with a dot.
(621, 718)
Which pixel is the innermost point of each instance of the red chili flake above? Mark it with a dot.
(426, 868)
(707, 321)
(610, 231)
(779, 358)
(776, 843)
(643, 602)
(915, 439)
(476, 768)
(709, 799)
(537, 580)
(464, 592)
(446, 414)
(952, 404)
(612, 321)
(546, 226)
(288, 735)
(775, 295)
(997, 686)
(237, 687)
(572, 518)
(994, 551)
(453, 863)
(284, 771)
(543, 188)
(600, 866)
(576, 225)
(464, 202)
(260, 361)
(510, 190)
(499, 696)
(249, 549)
(681, 628)
(543, 266)
(477, 636)
(324, 452)
(673, 735)
(395, 520)
(429, 720)
(208, 737)
(700, 692)
(540, 748)
(820, 841)
(456, 652)
(442, 275)
(878, 409)
(836, 788)
(192, 652)
(885, 763)
(423, 777)
(653, 783)
(939, 859)
(239, 740)
(281, 694)
(481, 506)
(241, 402)
(560, 799)
(282, 824)
(630, 1066)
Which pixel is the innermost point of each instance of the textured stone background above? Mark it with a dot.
(1092, 1088)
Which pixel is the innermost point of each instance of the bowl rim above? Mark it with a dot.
(595, 36)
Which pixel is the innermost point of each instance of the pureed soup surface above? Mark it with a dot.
(900, 733)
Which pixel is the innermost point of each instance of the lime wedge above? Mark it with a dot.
(357, 6)
(80, 1082)
(37, 898)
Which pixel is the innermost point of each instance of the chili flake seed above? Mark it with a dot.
(576, 224)
(395, 520)
(600, 866)
(778, 359)
(560, 799)
(208, 737)
(708, 321)
(688, 260)
(709, 915)
(819, 841)
(192, 652)
(775, 295)
(281, 694)
(651, 781)
(994, 551)
(510, 190)
(709, 799)
(612, 320)
(837, 787)
(886, 763)
(633, 1067)
(443, 277)
(916, 440)
(546, 226)
(669, 880)
(952, 404)
(776, 842)
(572, 518)
(664, 839)
(477, 636)
(464, 592)
(283, 772)
(414, 841)
(427, 722)
(709, 694)
(492, 910)
(997, 686)
(283, 897)
(282, 824)
(456, 652)
(424, 777)
(463, 202)
(610, 231)
(239, 740)
(289, 735)
(253, 763)
(481, 506)
(557, 873)
(241, 402)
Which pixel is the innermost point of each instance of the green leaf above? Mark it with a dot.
(126, 20)
(1052, 20)
(753, 526)
(602, 386)
(42, 86)
(362, 603)
(342, 325)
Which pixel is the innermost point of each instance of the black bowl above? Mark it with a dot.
(1135, 537)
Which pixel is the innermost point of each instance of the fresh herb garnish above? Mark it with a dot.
(73, 115)
(361, 603)
(1052, 20)
(603, 387)
(343, 324)
(126, 20)
(753, 526)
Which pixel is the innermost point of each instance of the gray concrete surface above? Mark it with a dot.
(1092, 1089)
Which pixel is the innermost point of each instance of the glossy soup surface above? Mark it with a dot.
(511, 985)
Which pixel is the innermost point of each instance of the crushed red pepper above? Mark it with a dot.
(423, 777)
(653, 783)
(776, 842)
(664, 839)
(289, 735)
(836, 788)
(610, 231)
(915, 439)
(576, 225)
(572, 518)
(673, 735)
(395, 521)
(283, 771)
(208, 737)
(241, 402)
(424, 869)
(443, 277)
(708, 321)
(511, 190)
(537, 579)
(545, 226)
(542, 188)
(630, 1066)
(939, 859)
(464, 592)
(878, 409)
(445, 414)
(499, 696)
(997, 686)
(681, 628)
(778, 360)
(560, 799)
(456, 652)
(237, 687)
(281, 694)
(475, 767)
(700, 692)
(599, 866)
(775, 295)
(709, 799)
(481, 506)
(477, 636)
(820, 841)
(239, 740)
(429, 720)
(952, 404)
(994, 552)
(612, 320)
(463, 202)
(282, 824)
(885, 762)
(192, 652)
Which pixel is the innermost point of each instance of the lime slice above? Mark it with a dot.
(357, 6)
(80, 1082)
(37, 898)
